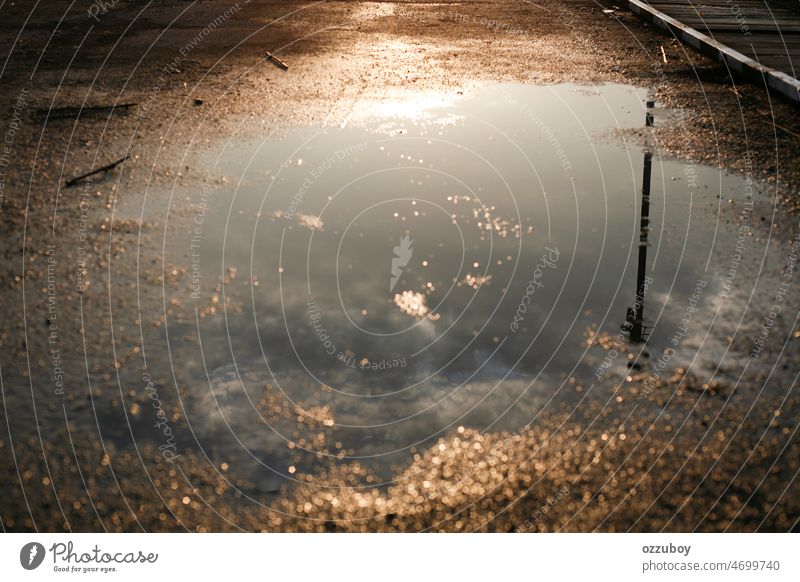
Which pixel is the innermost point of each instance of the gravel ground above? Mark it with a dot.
(197, 72)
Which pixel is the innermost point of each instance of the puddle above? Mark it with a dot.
(356, 292)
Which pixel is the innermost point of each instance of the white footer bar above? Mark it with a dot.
(422, 557)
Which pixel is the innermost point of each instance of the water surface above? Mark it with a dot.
(358, 291)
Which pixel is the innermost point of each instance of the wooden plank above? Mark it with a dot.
(761, 39)
(767, 48)
(732, 6)
(730, 19)
(744, 18)
(779, 63)
(755, 16)
(760, 54)
(726, 9)
(741, 10)
(736, 61)
(697, 24)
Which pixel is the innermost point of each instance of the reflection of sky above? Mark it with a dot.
(318, 214)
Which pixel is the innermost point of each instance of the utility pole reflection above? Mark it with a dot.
(634, 320)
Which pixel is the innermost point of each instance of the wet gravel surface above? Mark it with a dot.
(88, 285)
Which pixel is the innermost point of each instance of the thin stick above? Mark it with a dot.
(277, 62)
(787, 130)
(663, 55)
(105, 168)
(59, 112)
(781, 127)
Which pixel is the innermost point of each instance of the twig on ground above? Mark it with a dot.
(277, 62)
(67, 112)
(111, 166)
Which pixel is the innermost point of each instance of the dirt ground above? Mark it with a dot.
(196, 70)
